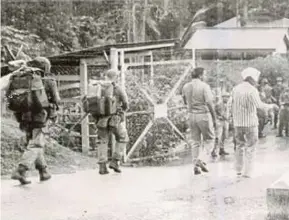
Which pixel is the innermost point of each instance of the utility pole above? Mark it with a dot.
(129, 20)
(245, 11)
(242, 12)
(144, 20)
(238, 17)
(133, 22)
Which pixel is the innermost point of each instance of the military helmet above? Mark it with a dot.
(111, 74)
(41, 63)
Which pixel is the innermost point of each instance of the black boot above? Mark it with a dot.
(222, 152)
(103, 169)
(202, 165)
(114, 165)
(20, 174)
(197, 170)
(214, 154)
(43, 174)
(261, 135)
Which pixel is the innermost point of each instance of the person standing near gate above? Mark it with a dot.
(245, 102)
(222, 126)
(107, 107)
(284, 113)
(265, 91)
(33, 97)
(276, 92)
(198, 97)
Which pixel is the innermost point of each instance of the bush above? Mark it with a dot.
(271, 67)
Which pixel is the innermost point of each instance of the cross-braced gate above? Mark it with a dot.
(151, 85)
(154, 107)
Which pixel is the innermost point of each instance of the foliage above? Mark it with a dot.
(65, 26)
(59, 159)
(32, 44)
(271, 67)
(62, 25)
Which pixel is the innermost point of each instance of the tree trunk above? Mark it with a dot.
(245, 11)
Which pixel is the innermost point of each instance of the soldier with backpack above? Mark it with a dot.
(33, 97)
(107, 105)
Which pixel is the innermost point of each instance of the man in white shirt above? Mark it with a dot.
(245, 102)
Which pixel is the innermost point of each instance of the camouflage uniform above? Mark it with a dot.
(265, 92)
(284, 113)
(276, 92)
(33, 123)
(112, 125)
(222, 124)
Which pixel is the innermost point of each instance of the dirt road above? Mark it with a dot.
(163, 193)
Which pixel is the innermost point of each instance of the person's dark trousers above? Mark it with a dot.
(261, 127)
(276, 116)
(283, 122)
(262, 122)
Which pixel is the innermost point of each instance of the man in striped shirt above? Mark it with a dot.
(198, 97)
(245, 102)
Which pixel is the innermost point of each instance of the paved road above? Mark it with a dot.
(163, 193)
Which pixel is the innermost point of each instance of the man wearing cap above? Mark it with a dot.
(245, 102)
(33, 124)
(198, 97)
(276, 92)
(222, 124)
(113, 124)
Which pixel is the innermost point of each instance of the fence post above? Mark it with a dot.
(114, 66)
(113, 58)
(194, 57)
(83, 92)
(122, 72)
(152, 68)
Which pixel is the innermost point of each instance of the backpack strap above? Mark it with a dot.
(114, 89)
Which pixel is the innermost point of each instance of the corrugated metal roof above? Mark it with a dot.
(94, 51)
(237, 38)
(231, 23)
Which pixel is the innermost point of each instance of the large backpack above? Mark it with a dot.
(101, 100)
(26, 92)
(50, 86)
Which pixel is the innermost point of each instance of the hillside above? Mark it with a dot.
(59, 158)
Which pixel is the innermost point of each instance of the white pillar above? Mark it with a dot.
(151, 69)
(114, 66)
(83, 92)
(194, 57)
(113, 58)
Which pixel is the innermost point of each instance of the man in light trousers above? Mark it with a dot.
(198, 97)
(245, 102)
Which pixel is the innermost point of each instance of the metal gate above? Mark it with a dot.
(156, 107)
(153, 112)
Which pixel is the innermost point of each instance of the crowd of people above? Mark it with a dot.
(33, 96)
(247, 108)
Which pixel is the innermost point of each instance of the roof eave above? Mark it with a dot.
(99, 50)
